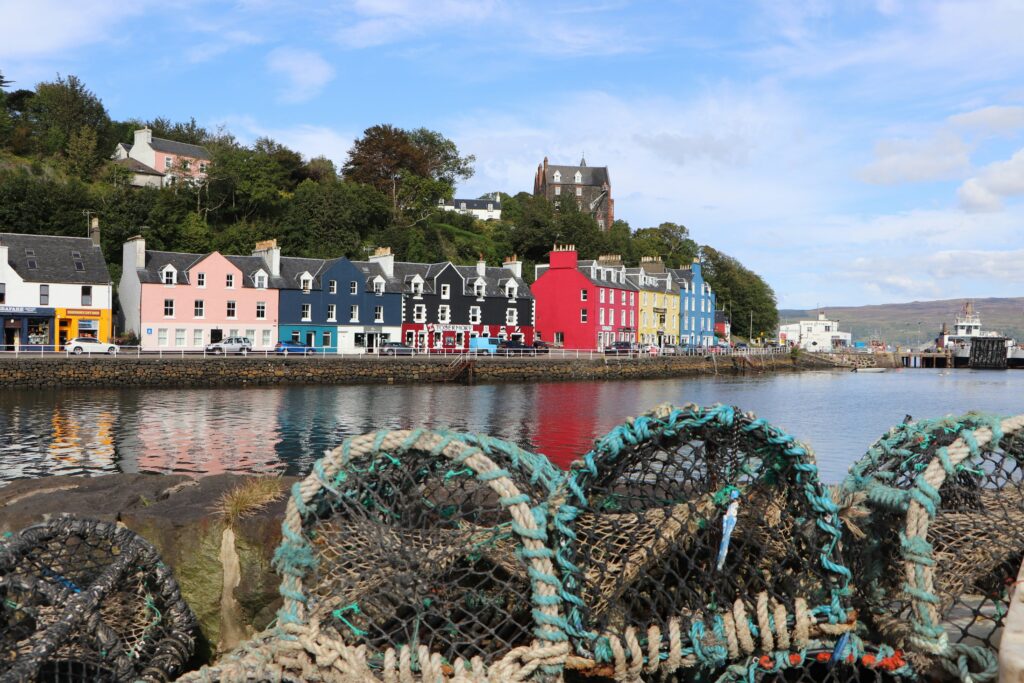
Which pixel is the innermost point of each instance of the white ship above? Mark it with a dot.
(966, 328)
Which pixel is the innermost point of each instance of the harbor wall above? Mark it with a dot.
(249, 371)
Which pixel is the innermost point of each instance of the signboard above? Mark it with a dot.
(149, 330)
(450, 328)
(25, 310)
(606, 328)
(83, 312)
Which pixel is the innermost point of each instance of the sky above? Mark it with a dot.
(851, 152)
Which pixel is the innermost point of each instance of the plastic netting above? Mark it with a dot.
(941, 545)
(428, 552)
(89, 601)
(696, 537)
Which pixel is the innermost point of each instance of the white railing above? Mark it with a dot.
(51, 351)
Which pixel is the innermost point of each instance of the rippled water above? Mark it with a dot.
(283, 430)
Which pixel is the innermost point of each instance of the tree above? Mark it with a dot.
(321, 169)
(60, 108)
(377, 158)
(194, 235)
(746, 296)
(442, 158)
(671, 241)
(327, 220)
(81, 159)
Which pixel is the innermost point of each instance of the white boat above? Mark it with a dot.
(966, 328)
(869, 369)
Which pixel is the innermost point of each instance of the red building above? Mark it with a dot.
(584, 304)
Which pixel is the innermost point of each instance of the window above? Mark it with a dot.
(478, 288)
(261, 310)
(250, 334)
(446, 291)
(201, 280)
(169, 276)
(266, 337)
(353, 314)
(631, 318)
(229, 281)
(511, 316)
(86, 295)
(558, 176)
(583, 295)
(419, 313)
(231, 309)
(261, 280)
(559, 338)
(44, 295)
(197, 337)
(583, 315)
(179, 337)
(325, 339)
(622, 317)
(378, 287)
(3, 293)
(600, 316)
(632, 298)
(161, 337)
(623, 297)
(79, 266)
(295, 335)
(168, 308)
(444, 314)
(378, 314)
(474, 315)
(579, 191)
(600, 223)
(202, 167)
(600, 293)
(307, 312)
(511, 290)
(200, 309)
(558, 190)
(332, 312)
(417, 287)
(168, 162)
(578, 177)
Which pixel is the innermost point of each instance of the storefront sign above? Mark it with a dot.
(25, 310)
(450, 328)
(83, 312)
(606, 328)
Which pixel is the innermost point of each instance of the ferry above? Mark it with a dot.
(966, 329)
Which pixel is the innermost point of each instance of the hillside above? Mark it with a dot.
(900, 322)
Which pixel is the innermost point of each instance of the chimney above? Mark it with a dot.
(144, 136)
(563, 256)
(610, 259)
(271, 254)
(481, 266)
(386, 259)
(652, 264)
(134, 253)
(94, 230)
(513, 264)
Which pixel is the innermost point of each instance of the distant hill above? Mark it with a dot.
(903, 323)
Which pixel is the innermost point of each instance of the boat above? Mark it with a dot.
(869, 369)
(966, 330)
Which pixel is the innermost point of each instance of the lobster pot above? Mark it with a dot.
(415, 555)
(944, 539)
(88, 601)
(698, 538)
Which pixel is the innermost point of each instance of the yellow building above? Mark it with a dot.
(82, 322)
(658, 305)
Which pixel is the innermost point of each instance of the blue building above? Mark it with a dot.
(696, 307)
(333, 305)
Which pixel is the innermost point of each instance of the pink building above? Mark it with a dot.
(156, 161)
(180, 301)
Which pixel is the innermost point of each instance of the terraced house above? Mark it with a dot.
(53, 289)
(174, 300)
(658, 306)
(445, 305)
(697, 307)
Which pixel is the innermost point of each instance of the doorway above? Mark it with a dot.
(371, 341)
(216, 335)
(311, 339)
(10, 334)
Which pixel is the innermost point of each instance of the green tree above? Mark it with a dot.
(321, 169)
(194, 235)
(81, 158)
(670, 241)
(442, 158)
(748, 298)
(332, 219)
(61, 107)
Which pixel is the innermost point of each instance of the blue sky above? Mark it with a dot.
(852, 152)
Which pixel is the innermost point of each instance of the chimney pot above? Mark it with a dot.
(94, 230)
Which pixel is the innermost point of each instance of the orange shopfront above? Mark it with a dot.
(82, 322)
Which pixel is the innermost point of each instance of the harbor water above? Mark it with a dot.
(282, 430)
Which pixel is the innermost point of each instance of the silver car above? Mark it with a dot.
(240, 345)
(80, 345)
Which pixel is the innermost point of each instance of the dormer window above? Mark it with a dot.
(306, 282)
(579, 177)
(378, 287)
(417, 287)
(478, 288)
(169, 276)
(558, 176)
(261, 280)
(511, 291)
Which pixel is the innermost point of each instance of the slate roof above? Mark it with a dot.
(157, 260)
(54, 259)
(478, 204)
(180, 148)
(584, 268)
(250, 265)
(590, 175)
(633, 277)
(292, 267)
(495, 278)
(372, 269)
(681, 275)
(136, 166)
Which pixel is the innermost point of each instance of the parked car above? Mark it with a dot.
(289, 347)
(540, 346)
(240, 345)
(393, 348)
(479, 345)
(621, 348)
(650, 349)
(511, 347)
(741, 346)
(80, 345)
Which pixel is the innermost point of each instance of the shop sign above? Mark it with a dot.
(82, 312)
(606, 328)
(25, 310)
(450, 328)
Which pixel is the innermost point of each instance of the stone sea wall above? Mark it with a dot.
(55, 372)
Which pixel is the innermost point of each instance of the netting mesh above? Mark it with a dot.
(699, 536)
(944, 539)
(87, 601)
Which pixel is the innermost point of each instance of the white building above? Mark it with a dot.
(155, 162)
(814, 335)
(484, 209)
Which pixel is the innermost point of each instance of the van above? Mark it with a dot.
(478, 345)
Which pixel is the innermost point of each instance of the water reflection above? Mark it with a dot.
(283, 430)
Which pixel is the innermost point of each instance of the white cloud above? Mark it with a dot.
(224, 42)
(999, 120)
(305, 73)
(390, 21)
(996, 182)
(942, 156)
(44, 28)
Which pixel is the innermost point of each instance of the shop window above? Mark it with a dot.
(199, 310)
(38, 331)
(326, 339)
(378, 314)
(86, 295)
(332, 312)
(295, 335)
(44, 295)
(231, 310)
(232, 333)
(250, 334)
(409, 337)
(261, 310)
(168, 308)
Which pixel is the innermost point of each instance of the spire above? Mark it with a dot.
(583, 160)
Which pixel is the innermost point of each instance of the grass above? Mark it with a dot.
(248, 498)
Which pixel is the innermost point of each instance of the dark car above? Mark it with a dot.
(292, 348)
(540, 346)
(511, 347)
(395, 349)
(620, 348)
